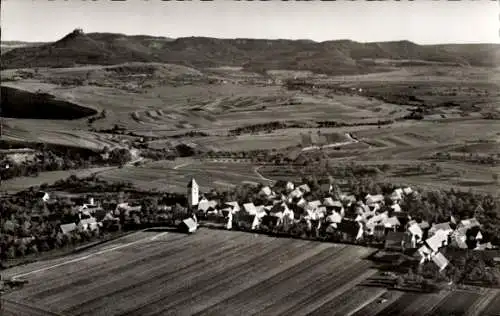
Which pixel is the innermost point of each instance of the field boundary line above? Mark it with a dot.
(27, 306)
(81, 258)
(367, 302)
(158, 236)
(181, 165)
(482, 302)
(256, 170)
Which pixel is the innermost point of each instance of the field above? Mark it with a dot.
(174, 176)
(163, 101)
(222, 273)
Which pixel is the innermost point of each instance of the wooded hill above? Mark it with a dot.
(331, 57)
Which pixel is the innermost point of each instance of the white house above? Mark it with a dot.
(304, 188)
(415, 232)
(438, 240)
(374, 200)
(43, 196)
(205, 205)
(231, 206)
(250, 208)
(67, 228)
(88, 224)
(266, 191)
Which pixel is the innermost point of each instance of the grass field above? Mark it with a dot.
(22, 183)
(173, 176)
(222, 273)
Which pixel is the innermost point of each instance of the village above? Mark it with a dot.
(289, 210)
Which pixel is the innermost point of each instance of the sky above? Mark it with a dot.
(422, 21)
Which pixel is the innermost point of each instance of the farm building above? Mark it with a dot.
(88, 224)
(43, 196)
(67, 228)
(394, 241)
(441, 226)
(250, 208)
(188, 226)
(205, 206)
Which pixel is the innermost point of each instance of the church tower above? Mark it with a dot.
(192, 193)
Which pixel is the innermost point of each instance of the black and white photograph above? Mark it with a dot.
(249, 158)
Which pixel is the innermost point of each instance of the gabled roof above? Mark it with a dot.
(394, 240)
(458, 238)
(88, 221)
(296, 193)
(395, 196)
(391, 222)
(205, 205)
(189, 225)
(266, 190)
(441, 226)
(334, 218)
(479, 209)
(250, 208)
(469, 223)
(41, 194)
(313, 204)
(440, 260)
(396, 208)
(67, 228)
(378, 219)
(424, 224)
(415, 229)
(260, 210)
(328, 201)
(398, 191)
(425, 251)
(278, 209)
(302, 203)
(232, 204)
(407, 190)
(437, 240)
(374, 199)
(304, 188)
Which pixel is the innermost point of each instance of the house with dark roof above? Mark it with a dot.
(43, 196)
(394, 241)
(350, 230)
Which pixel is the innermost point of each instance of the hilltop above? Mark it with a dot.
(331, 57)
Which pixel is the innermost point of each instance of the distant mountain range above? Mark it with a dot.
(331, 57)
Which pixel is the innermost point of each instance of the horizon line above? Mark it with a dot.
(256, 38)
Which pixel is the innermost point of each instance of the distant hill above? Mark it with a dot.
(6, 46)
(334, 57)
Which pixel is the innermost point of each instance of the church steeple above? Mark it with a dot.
(192, 193)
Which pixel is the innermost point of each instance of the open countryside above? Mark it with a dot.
(222, 273)
(197, 175)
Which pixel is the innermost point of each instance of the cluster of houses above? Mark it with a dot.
(353, 220)
(91, 217)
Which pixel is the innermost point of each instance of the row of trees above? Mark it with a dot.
(53, 160)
